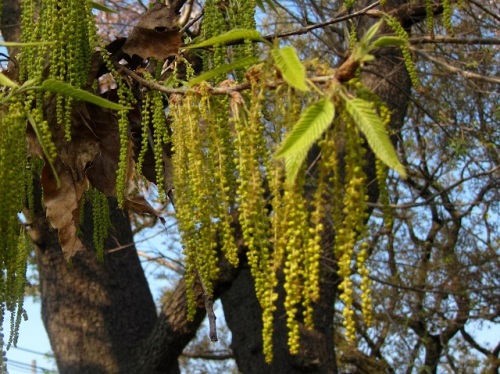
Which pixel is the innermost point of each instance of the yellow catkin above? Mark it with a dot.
(125, 98)
(398, 29)
(221, 154)
(145, 122)
(353, 218)
(181, 113)
(251, 151)
(67, 26)
(193, 174)
(297, 234)
(14, 244)
(101, 221)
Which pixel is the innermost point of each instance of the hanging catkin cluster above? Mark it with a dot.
(69, 30)
(204, 159)
(223, 164)
(14, 246)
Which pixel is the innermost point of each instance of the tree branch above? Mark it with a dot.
(162, 261)
(215, 356)
(305, 30)
(455, 70)
(469, 339)
(209, 308)
(453, 40)
(486, 10)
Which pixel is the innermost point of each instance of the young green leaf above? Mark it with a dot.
(370, 124)
(39, 136)
(6, 81)
(238, 64)
(230, 36)
(293, 163)
(103, 8)
(372, 31)
(57, 86)
(270, 3)
(308, 129)
(260, 4)
(290, 66)
(387, 41)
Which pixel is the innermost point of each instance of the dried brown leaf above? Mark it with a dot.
(156, 35)
(63, 206)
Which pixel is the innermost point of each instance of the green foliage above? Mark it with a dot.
(361, 51)
(312, 123)
(228, 37)
(101, 7)
(224, 69)
(269, 3)
(67, 90)
(368, 121)
(400, 32)
(5, 81)
(291, 68)
(43, 136)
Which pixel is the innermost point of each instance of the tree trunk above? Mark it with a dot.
(96, 314)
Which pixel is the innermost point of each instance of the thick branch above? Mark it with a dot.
(469, 339)
(214, 356)
(453, 40)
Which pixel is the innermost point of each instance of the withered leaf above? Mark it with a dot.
(156, 35)
(63, 206)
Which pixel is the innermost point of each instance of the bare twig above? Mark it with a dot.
(163, 262)
(433, 196)
(486, 10)
(455, 70)
(304, 30)
(226, 90)
(209, 307)
(190, 23)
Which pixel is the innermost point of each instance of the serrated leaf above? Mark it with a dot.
(370, 124)
(230, 36)
(6, 81)
(39, 136)
(313, 121)
(372, 31)
(270, 3)
(308, 129)
(238, 64)
(260, 4)
(102, 8)
(63, 88)
(387, 41)
(290, 66)
(293, 163)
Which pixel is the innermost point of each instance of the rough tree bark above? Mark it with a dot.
(96, 314)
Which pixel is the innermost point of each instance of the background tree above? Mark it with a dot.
(432, 240)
